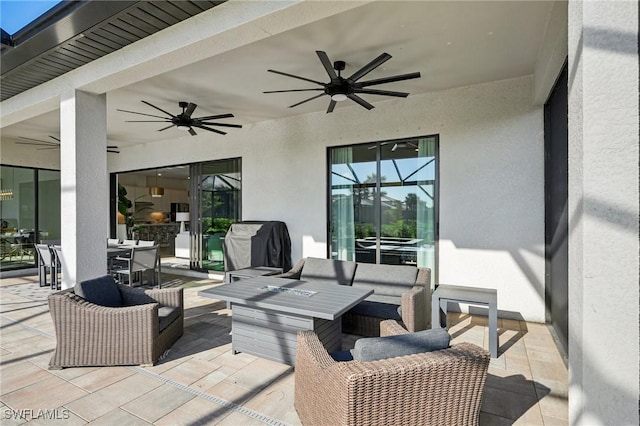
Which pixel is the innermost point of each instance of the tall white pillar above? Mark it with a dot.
(84, 186)
(604, 277)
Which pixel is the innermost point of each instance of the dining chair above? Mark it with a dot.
(58, 265)
(129, 242)
(146, 243)
(45, 266)
(142, 259)
(112, 242)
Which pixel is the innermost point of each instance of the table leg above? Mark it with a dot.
(493, 329)
(438, 312)
(435, 312)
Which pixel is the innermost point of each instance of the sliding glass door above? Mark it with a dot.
(29, 214)
(216, 191)
(384, 202)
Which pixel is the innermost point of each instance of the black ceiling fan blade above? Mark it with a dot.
(238, 126)
(147, 121)
(113, 151)
(307, 100)
(388, 79)
(112, 147)
(158, 108)
(192, 132)
(200, 126)
(369, 67)
(38, 143)
(214, 117)
(50, 147)
(293, 90)
(327, 64)
(332, 105)
(360, 101)
(381, 92)
(165, 128)
(38, 140)
(141, 113)
(55, 139)
(190, 108)
(296, 76)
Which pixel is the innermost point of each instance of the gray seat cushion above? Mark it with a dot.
(167, 315)
(341, 356)
(373, 348)
(328, 270)
(102, 291)
(373, 309)
(389, 280)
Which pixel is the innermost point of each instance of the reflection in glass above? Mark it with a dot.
(220, 206)
(384, 202)
(20, 214)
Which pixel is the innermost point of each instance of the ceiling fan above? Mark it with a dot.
(183, 120)
(55, 144)
(340, 88)
(396, 145)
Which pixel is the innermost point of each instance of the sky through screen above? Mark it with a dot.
(16, 14)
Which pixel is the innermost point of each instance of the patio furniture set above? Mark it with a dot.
(398, 372)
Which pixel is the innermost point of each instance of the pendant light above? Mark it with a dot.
(7, 193)
(156, 191)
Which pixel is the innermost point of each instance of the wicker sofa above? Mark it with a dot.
(401, 292)
(443, 387)
(138, 332)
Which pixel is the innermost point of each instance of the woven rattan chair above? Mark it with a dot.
(94, 335)
(436, 388)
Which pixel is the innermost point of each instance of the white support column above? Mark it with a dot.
(84, 186)
(603, 213)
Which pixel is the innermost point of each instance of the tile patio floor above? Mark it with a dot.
(200, 382)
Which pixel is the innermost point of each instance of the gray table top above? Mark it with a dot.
(468, 294)
(328, 302)
(255, 271)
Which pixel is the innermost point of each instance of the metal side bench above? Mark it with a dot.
(444, 294)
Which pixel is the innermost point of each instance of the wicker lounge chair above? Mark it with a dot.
(443, 387)
(136, 333)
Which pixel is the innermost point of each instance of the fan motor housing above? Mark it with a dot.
(339, 86)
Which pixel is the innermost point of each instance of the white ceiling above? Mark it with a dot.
(452, 44)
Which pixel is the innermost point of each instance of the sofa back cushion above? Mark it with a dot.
(328, 270)
(101, 291)
(373, 348)
(389, 280)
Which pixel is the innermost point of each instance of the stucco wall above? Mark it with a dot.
(604, 267)
(491, 178)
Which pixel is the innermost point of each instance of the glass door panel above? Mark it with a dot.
(18, 217)
(353, 207)
(407, 202)
(384, 202)
(220, 186)
(49, 205)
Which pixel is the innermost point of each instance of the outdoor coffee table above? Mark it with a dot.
(255, 271)
(267, 313)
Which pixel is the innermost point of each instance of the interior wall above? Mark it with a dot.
(491, 178)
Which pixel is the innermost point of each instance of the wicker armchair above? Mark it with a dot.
(93, 335)
(438, 388)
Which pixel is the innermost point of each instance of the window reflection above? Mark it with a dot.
(384, 202)
(25, 220)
